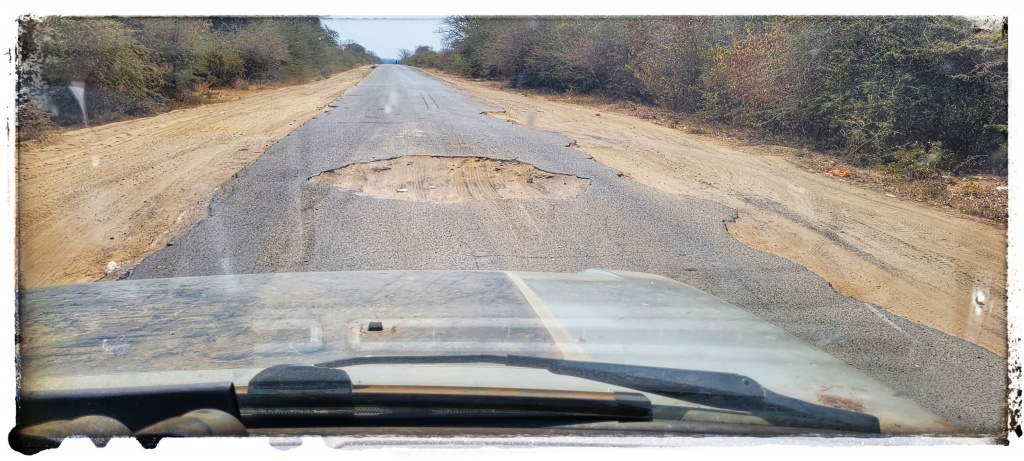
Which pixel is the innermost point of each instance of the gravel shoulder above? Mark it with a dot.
(118, 192)
(933, 267)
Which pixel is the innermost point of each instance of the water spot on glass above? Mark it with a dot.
(114, 346)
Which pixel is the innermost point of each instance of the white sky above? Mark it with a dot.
(386, 35)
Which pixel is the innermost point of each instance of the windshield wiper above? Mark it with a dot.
(309, 396)
(721, 390)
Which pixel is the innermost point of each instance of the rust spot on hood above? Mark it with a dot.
(841, 403)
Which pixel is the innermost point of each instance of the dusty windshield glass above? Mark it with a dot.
(817, 204)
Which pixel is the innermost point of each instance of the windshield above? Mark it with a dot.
(815, 207)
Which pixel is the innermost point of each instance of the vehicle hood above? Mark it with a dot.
(197, 325)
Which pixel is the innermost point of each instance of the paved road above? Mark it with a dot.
(271, 218)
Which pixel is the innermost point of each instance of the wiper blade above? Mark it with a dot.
(293, 395)
(721, 390)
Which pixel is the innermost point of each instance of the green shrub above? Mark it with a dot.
(917, 161)
(221, 64)
(120, 75)
(136, 66)
(858, 87)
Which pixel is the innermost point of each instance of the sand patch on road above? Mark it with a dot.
(921, 263)
(451, 180)
(118, 192)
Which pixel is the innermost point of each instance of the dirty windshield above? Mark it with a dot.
(815, 204)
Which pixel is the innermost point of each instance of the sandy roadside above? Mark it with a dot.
(927, 265)
(121, 191)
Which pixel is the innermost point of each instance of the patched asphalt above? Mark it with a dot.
(271, 218)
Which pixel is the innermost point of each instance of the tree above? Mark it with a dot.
(452, 30)
(135, 66)
(353, 47)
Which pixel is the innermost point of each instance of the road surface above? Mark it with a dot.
(283, 213)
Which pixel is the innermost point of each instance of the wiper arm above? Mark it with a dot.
(302, 396)
(722, 390)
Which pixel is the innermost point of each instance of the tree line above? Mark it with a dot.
(131, 66)
(917, 94)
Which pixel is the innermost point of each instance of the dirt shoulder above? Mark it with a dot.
(938, 268)
(118, 192)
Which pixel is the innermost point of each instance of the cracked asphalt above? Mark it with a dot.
(271, 218)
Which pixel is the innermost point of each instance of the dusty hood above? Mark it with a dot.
(247, 322)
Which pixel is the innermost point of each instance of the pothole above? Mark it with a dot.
(451, 179)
